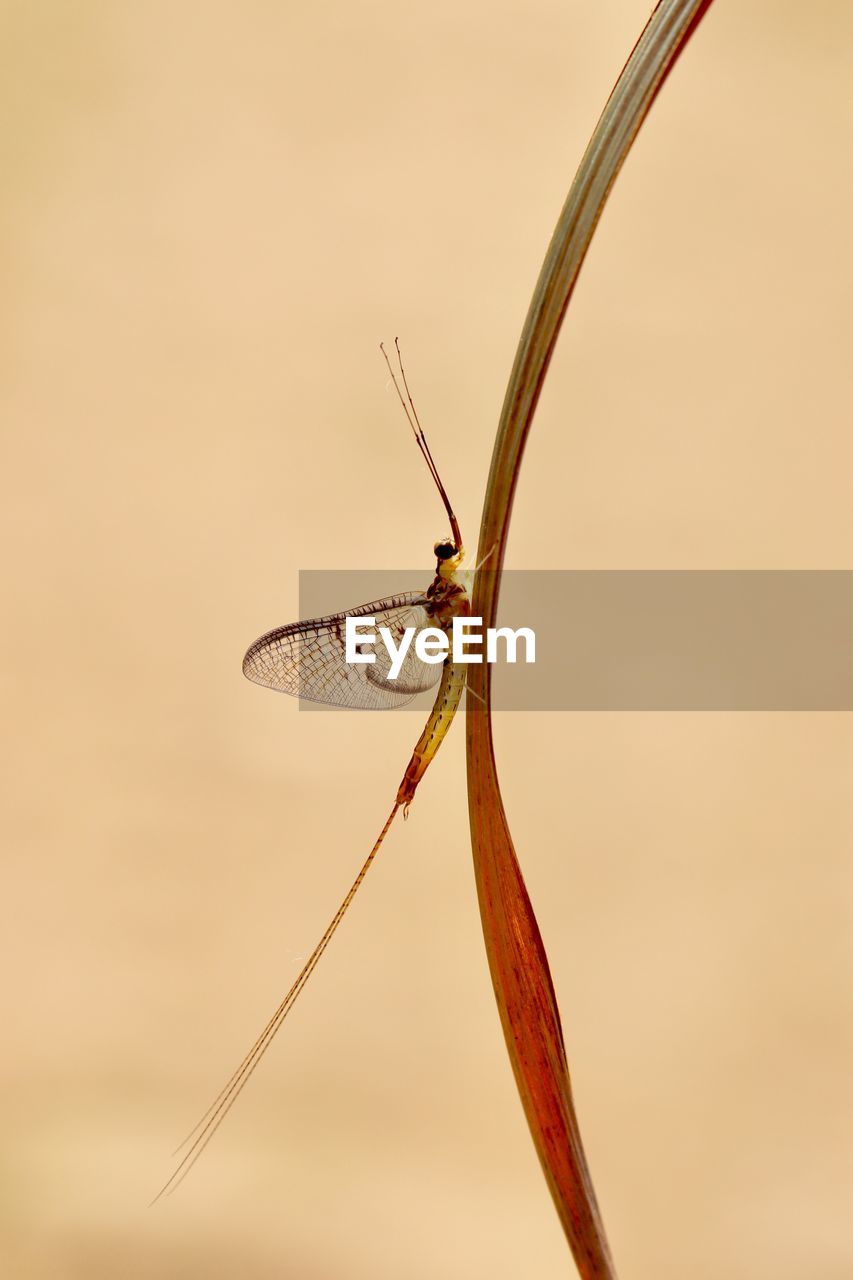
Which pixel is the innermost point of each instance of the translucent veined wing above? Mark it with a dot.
(308, 659)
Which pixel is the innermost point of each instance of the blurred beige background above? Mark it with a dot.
(211, 214)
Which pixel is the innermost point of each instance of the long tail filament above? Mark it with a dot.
(202, 1133)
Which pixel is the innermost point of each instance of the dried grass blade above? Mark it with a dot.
(517, 959)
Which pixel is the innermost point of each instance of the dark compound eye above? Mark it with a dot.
(444, 550)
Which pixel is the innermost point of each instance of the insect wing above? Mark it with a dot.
(308, 659)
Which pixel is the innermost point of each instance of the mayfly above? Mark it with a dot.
(307, 659)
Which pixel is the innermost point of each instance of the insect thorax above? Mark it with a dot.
(447, 599)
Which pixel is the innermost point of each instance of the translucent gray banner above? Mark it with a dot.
(650, 640)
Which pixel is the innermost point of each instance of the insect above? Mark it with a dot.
(307, 659)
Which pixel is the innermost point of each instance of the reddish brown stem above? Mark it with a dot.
(517, 959)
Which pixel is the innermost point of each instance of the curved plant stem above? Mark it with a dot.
(517, 960)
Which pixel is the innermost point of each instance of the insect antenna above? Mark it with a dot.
(420, 438)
